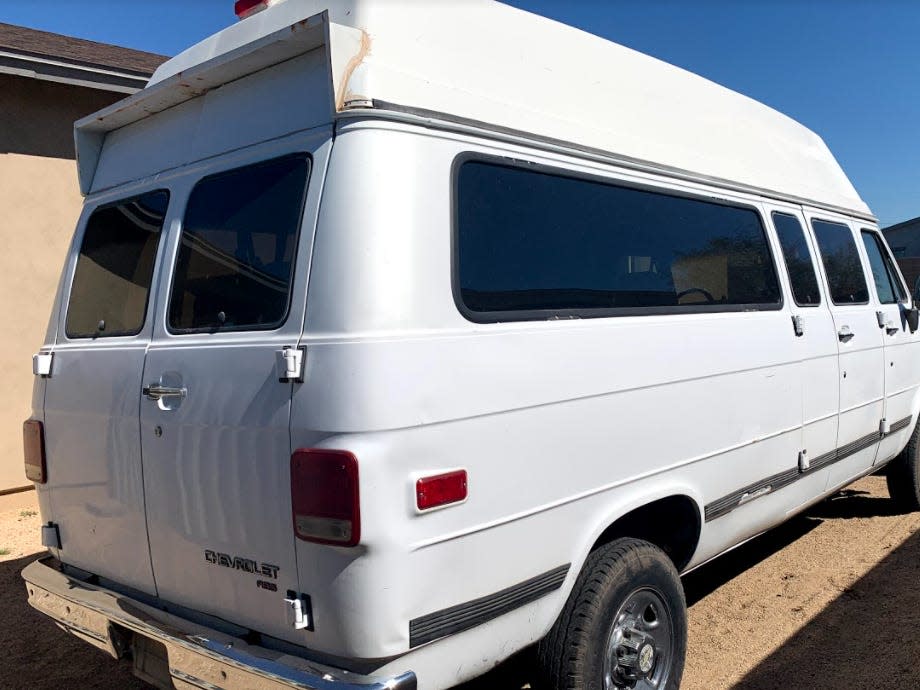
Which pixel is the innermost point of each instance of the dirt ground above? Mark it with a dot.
(828, 600)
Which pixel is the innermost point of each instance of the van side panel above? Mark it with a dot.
(560, 424)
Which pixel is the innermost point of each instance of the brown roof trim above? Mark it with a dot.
(78, 51)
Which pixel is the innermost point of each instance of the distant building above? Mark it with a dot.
(904, 240)
(47, 81)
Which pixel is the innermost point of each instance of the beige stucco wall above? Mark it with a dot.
(39, 206)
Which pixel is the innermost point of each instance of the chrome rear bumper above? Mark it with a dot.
(173, 652)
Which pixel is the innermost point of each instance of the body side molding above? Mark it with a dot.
(462, 617)
(736, 499)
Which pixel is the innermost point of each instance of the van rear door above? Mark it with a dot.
(216, 415)
(92, 398)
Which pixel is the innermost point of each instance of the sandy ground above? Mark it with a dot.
(828, 600)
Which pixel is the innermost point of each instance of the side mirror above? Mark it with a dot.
(912, 316)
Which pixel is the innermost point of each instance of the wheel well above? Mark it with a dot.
(672, 524)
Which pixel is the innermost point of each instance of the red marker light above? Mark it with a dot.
(441, 490)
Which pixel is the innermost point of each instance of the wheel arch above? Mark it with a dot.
(670, 517)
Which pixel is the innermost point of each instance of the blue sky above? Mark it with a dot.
(849, 69)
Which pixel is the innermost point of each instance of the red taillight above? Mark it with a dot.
(324, 496)
(245, 8)
(33, 442)
(441, 490)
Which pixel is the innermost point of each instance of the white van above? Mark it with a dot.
(398, 337)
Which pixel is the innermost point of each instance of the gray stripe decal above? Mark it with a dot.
(900, 424)
(465, 616)
(762, 488)
(736, 499)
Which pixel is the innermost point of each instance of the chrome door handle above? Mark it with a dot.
(157, 392)
(845, 334)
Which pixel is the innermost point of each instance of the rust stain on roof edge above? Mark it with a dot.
(350, 68)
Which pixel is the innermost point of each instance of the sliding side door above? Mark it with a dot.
(860, 343)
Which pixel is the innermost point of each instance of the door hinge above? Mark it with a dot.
(881, 318)
(884, 427)
(299, 610)
(798, 325)
(41, 364)
(51, 536)
(291, 364)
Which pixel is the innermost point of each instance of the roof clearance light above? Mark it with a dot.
(247, 8)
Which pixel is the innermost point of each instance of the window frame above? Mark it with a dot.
(78, 248)
(275, 326)
(487, 317)
(890, 263)
(811, 257)
(860, 251)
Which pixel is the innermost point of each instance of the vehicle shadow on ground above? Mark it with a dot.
(866, 638)
(850, 503)
(39, 656)
(708, 578)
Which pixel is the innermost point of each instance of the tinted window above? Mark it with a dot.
(236, 256)
(841, 263)
(798, 260)
(111, 283)
(887, 285)
(533, 241)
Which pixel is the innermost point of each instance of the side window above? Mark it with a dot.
(550, 244)
(887, 285)
(798, 260)
(111, 283)
(236, 256)
(841, 263)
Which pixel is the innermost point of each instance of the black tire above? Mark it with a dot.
(574, 655)
(904, 475)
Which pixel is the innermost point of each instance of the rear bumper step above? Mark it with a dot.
(174, 652)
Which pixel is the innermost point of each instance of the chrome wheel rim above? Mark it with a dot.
(640, 646)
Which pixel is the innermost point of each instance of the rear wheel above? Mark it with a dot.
(624, 625)
(904, 475)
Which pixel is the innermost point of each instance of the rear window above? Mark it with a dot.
(111, 283)
(844, 271)
(239, 241)
(532, 244)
